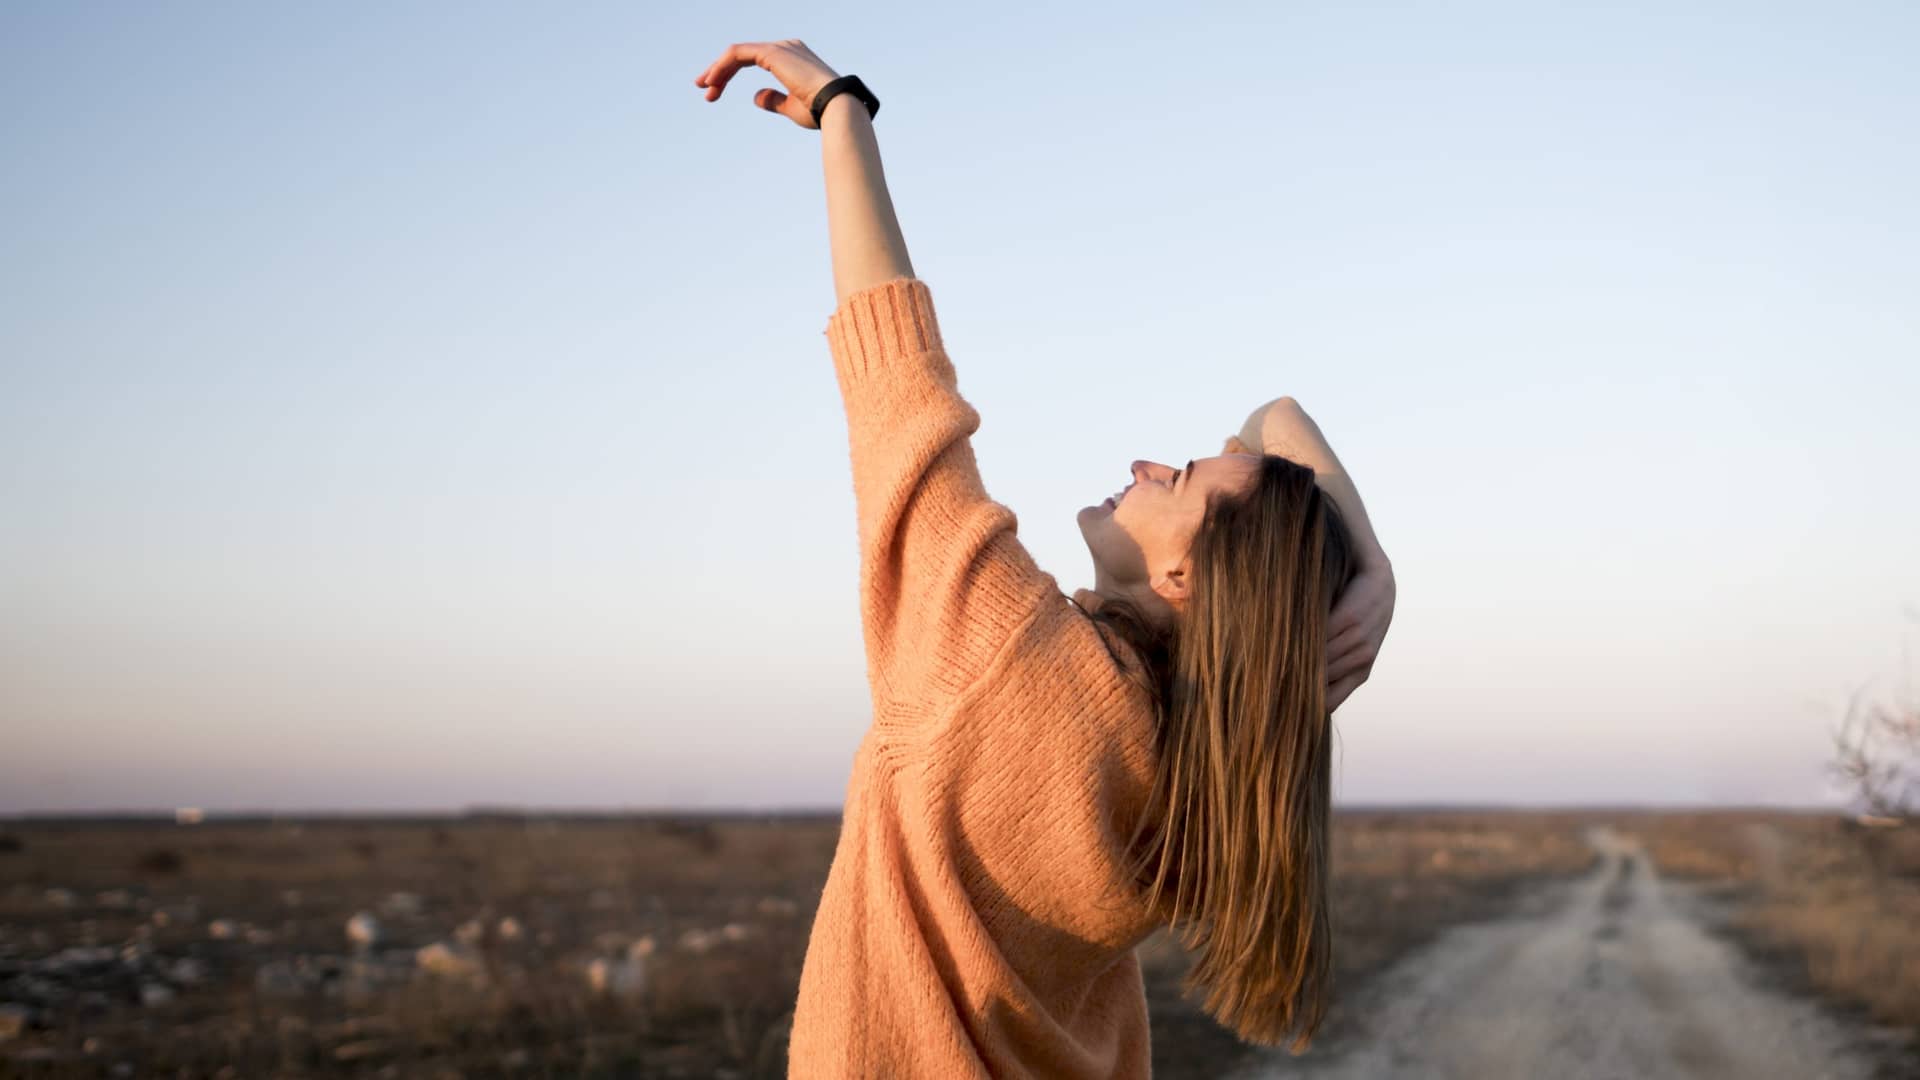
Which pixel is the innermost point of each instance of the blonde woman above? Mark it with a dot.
(1049, 778)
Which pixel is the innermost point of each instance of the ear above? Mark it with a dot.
(1171, 585)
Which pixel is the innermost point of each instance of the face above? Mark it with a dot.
(1139, 537)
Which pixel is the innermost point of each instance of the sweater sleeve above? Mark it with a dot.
(944, 580)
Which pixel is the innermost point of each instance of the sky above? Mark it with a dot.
(407, 407)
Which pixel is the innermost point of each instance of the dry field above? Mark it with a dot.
(599, 947)
(1830, 907)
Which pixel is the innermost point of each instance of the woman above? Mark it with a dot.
(1047, 779)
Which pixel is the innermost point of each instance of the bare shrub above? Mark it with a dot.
(1876, 752)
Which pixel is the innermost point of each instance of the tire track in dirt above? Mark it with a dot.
(1609, 976)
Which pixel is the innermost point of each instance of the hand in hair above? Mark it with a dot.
(1356, 628)
(1358, 624)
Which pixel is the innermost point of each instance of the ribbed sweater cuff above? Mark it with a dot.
(892, 319)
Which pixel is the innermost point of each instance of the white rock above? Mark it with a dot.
(641, 949)
(223, 930)
(777, 905)
(510, 929)
(363, 931)
(697, 940)
(448, 961)
(734, 931)
(624, 978)
(470, 932)
(401, 905)
(155, 994)
(187, 971)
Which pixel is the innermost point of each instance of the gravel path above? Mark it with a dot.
(1610, 976)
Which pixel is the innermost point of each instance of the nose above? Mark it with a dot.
(1149, 470)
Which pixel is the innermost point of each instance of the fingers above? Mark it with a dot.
(1342, 640)
(770, 99)
(736, 57)
(1338, 693)
(1357, 660)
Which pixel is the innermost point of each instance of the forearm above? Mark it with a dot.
(1282, 427)
(868, 248)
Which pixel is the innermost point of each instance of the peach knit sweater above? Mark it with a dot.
(974, 921)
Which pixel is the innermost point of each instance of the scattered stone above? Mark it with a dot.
(259, 936)
(777, 905)
(734, 931)
(93, 1045)
(360, 1050)
(697, 940)
(156, 994)
(401, 905)
(448, 961)
(183, 914)
(363, 931)
(291, 897)
(223, 930)
(117, 899)
(187, 971)
(277, 978)
(516, 1059)
(60, 898)
(76, 959)
(618, 977)
(510, 929)
(470, 932)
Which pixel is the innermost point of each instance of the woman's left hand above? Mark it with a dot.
(801, 72)
(1356, 629)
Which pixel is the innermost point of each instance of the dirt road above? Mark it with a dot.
(1611, 976)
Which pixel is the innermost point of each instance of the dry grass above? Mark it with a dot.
(1829, 906)
(581, 888)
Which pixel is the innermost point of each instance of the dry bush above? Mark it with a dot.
(1822, 909)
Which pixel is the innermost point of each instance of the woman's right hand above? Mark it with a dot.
(801, 72)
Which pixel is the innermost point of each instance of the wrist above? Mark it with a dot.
(843, 106)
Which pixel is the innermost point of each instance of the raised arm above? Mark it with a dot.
(944, 581)
(1358, 625)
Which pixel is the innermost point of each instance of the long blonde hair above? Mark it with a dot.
(1233, 847)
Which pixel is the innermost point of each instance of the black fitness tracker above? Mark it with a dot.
(850, 84)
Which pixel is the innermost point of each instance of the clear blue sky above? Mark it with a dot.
(412, 406)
